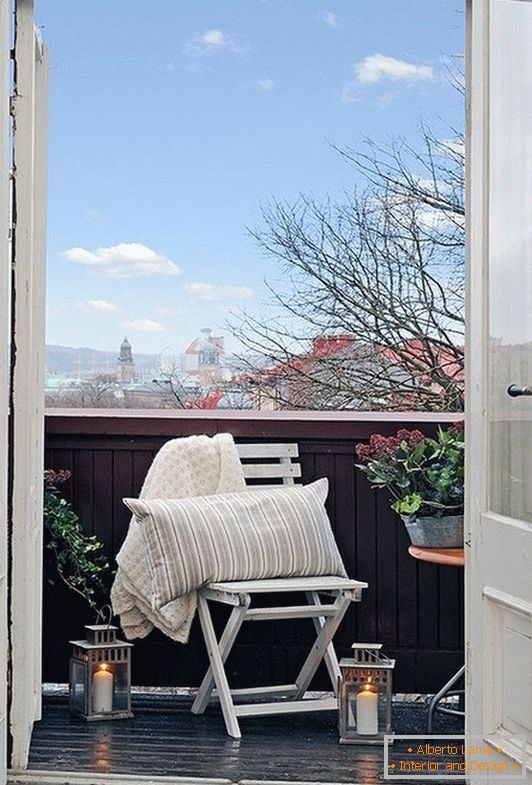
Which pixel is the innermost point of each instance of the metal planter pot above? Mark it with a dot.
(434, 532)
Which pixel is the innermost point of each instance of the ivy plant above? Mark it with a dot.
(70, 555)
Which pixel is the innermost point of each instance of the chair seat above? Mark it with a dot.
(319, 583)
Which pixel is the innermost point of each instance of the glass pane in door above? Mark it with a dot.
(510, 252)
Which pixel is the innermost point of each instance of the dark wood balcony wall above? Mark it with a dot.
(414, 609)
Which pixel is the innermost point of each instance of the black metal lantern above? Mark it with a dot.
(100, 675)
(365, 695)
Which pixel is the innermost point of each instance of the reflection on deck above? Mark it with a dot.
(164, 738)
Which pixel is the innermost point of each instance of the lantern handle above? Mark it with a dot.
(101, 614)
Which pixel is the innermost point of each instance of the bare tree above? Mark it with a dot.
(98, 392)
(380, 274)
(174, 395)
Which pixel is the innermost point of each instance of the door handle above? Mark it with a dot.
(514, 391)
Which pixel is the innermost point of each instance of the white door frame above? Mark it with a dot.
(27, 411)
(5, 333)
(485, 604)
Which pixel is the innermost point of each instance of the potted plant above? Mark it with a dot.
(425, 477)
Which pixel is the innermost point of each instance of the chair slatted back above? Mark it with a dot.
(270, 462)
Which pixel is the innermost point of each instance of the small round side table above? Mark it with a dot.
(449, 557)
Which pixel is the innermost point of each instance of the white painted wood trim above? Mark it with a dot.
(29, 106)
(290, 612)
(287, 707)
(477, 116)
(508, 601)
(44, 777)
(266, 471)
(225, 645)
(5, 371)
(216, 659)
(267, 450)
(257, 692)
(38, 777)
(321, 584)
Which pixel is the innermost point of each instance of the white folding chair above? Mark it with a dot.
(327, 616)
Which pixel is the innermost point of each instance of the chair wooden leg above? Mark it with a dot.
(331, 660)
(321, 645)
(218, 671)
(225, 645)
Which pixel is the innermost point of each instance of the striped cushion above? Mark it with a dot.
(261, 533)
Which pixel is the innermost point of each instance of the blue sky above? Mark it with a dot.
(171, 121)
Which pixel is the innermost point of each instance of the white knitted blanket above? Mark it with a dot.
(192, 466)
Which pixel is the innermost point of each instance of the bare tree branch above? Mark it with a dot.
(369, 310)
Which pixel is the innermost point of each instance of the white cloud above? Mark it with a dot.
(164, 311)
(438, 220)
(378, 67)
(98, 306)
(266, 84)
(455, 146)
(433, 185)
(125, 260)
(212, 292)
(213, 38)
(210, 41)
(330, 19)
(145, 326)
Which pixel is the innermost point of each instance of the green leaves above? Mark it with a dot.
(71, 555)
(409, 505)
(424, 475)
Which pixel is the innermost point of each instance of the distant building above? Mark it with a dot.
(203, 358)
(125, 369)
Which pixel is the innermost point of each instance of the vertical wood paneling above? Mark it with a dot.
(386, 574)
(449, 632)
(83, 486)
(415, 612)
(103, 499)
(407, 592)
(122, 487)
(366, 567)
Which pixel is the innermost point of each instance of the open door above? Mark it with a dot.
(27, 409)
(499, 419)
(5, 332)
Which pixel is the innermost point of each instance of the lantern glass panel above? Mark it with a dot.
(77, 686)
(120, 685)
(367, 713)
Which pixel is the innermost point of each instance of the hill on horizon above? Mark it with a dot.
(71, 361)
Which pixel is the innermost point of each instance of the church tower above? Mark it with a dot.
(208, 359)
(125, 370)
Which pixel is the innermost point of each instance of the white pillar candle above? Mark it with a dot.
(367, 712)
(102, 690)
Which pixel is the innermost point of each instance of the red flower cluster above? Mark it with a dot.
(458, 427)
(54, 477)
(382, 447)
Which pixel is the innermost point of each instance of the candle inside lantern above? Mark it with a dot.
(367, 711)
(102, 690)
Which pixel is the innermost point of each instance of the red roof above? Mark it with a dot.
(323, 346)
(210, 401)
(417, 350)
(217, 340)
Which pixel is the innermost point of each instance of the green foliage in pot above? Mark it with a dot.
(424, 475)
(69, 554)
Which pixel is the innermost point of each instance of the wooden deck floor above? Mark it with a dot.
(164, 738)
